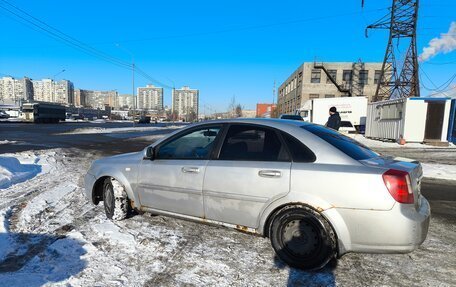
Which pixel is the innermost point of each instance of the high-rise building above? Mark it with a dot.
(98, 99)
(13, 91)
(150, 98)
(124, 101)
(327, 80)
(63, 92)
(43, 90)
(47, 90)
(185, 103)
(79, 98)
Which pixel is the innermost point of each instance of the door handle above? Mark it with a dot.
(269, 173)
(190, 169)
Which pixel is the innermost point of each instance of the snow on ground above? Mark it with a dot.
(7, 142)
(98, 130)
(390, 144)
(17, 169)
(51, 235)
(442, 171)
(431, 170)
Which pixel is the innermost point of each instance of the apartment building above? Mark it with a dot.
(327, 80)
(47, 90)
(125, 101)
(13, 91)
(185, 103)
(97, 99)
(150, 98)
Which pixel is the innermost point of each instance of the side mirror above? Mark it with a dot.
(149, 153)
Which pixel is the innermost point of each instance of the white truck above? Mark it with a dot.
(352, 111)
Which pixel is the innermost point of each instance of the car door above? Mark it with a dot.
(251, 169)
(173, 180)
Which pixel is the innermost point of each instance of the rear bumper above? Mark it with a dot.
(399, 230)
(89, 181)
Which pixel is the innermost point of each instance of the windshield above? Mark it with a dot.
(347, 145)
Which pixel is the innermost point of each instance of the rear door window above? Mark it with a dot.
(252, 143)
(299, 152)
(347, 145)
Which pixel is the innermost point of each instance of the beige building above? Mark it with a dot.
(327, 80)
(13, 91)
(185, 103)
(47, 90)
(97, 99)
(150, 98)
(125, 101)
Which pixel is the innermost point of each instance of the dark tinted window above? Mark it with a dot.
(194, 145)
(347, 145)
(291, 117)
(299, 152)
(252, 143)
(346, 124)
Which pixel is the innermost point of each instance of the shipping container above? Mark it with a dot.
(413, 119)
(452, 123)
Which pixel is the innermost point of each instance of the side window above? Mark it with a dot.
(252, 143)
(299, 152)
(194, 145)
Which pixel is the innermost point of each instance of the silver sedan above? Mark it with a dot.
(314, 192)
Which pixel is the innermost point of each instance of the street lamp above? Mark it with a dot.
(133, 78)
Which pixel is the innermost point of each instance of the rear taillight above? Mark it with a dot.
(398, 184)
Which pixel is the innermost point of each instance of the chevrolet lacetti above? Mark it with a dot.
(314, 192)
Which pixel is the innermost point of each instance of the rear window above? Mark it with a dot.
(291, 117)
(345, 144)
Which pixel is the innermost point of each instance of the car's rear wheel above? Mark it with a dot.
(302, 238)
(115, 200)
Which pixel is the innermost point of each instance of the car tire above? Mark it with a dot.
(115, 200)
(302, 238)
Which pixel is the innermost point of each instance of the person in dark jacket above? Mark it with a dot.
(334, 119)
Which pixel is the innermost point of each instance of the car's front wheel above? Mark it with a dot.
(115, 199)
(302, 238)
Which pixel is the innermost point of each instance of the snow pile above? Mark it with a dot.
(390, 144)
(442, 171)
(7, 142)
(12, 171)
(98, 130)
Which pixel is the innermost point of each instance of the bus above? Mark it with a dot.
(42, 112)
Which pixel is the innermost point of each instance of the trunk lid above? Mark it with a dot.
(412, 167)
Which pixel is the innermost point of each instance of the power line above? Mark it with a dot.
(437, 89)
(71, 41)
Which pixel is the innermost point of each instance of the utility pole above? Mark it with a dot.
(395, 81)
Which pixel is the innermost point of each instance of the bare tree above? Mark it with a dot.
(238, 111)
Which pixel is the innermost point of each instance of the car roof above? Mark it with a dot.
(276, 123)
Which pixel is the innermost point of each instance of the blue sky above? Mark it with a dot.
(236, 48)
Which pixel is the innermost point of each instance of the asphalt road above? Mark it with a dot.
(28, 136)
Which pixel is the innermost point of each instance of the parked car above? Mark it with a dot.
(291, 117)
(4, 115)
(347, 127)
(314, 192)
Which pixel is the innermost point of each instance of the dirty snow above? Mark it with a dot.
(390, 144)
(51, 235)
(99, 130)
(7, 142)
(442, 171)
